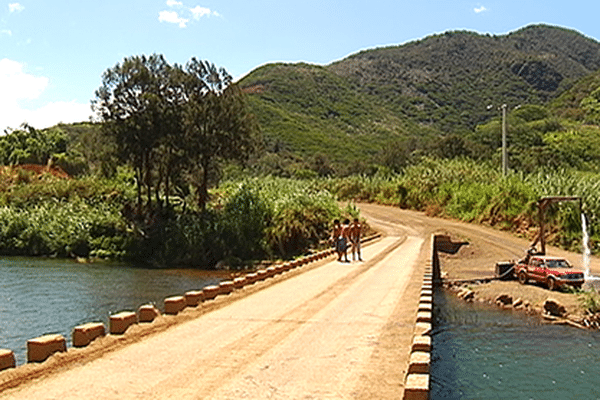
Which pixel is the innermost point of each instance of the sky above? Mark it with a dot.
(53, 53)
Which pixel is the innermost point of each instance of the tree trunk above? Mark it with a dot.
(138, 173)
(203, 187)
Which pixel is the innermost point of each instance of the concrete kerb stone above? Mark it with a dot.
(421, 343)
(193, 298)
(426, 299)
(86, 333)
(419, 363)
(175, 304)
(252, 278)
(416, 387)
(261, 274)
(40, 348)
(422, 328)
(226, 287)
(210, 292)
(121, 321)
(240, 282)
(424, 316)
(426, 292)
(7, 359)
(425, 307)
(147, 313)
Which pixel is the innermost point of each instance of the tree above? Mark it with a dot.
(31, 146)
(591, 105)
(165, 119)
(218, 125)
(136, 104)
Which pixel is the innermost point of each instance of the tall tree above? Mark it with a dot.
(132, 104)
(218, 125)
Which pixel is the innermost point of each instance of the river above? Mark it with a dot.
(481, 352)
(41, 296)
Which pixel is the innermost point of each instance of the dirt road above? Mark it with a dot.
(335, 331)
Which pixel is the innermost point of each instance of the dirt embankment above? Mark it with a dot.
(476, 260)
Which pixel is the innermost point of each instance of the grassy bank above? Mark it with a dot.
(46, 215)
(474, 192)
(265, 217)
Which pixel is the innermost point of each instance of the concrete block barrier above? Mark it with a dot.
(147, 313)
(40, 348)
(226, 287)
(121, 321)
(7, 359)
(426, 299)
(424, 316)
(420, 362)
(425, 307)
(421, 343)
(210, 292)
(175, 304)
(417, 387)
(84, 334)
(279, 269)
(426, 292)
(240, 282)
(193, 298)
(422, 328)
(261, 274)
(252, 278)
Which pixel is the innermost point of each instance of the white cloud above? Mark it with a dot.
(199, 12)
(6, 32)
(17, 85)
(15, 7)
(184, 14)
(173, 18)
(480, 9)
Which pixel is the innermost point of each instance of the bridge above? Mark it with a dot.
(328, 330)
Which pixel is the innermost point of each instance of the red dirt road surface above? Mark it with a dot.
(327, 331)
(337, 330)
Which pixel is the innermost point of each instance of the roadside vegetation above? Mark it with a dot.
(185, 167)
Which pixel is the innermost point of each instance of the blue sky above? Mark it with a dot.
(53, 53)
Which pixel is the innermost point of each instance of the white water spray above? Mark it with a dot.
(586, 247)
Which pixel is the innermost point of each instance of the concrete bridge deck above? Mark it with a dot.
(336, 331)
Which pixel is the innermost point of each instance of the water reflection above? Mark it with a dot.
(41, 296)
(480, 352)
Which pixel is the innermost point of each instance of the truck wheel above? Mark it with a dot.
(551, 284)
(522, 277)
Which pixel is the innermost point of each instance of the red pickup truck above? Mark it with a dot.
(554, 272)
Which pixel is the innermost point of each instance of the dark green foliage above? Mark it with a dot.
(433, 91)
(30, 146)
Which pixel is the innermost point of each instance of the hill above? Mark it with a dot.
(426, 89)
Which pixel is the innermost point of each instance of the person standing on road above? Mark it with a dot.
(336, 234)
(344, 240)
(354, 236)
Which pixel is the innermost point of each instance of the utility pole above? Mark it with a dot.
(504, 151)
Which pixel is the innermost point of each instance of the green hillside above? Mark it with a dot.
(310, 110)
(425, 91)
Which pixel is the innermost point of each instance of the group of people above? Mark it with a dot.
(346, 235)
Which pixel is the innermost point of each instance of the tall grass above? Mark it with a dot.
(474, 192)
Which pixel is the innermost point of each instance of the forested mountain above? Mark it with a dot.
(415, 93)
